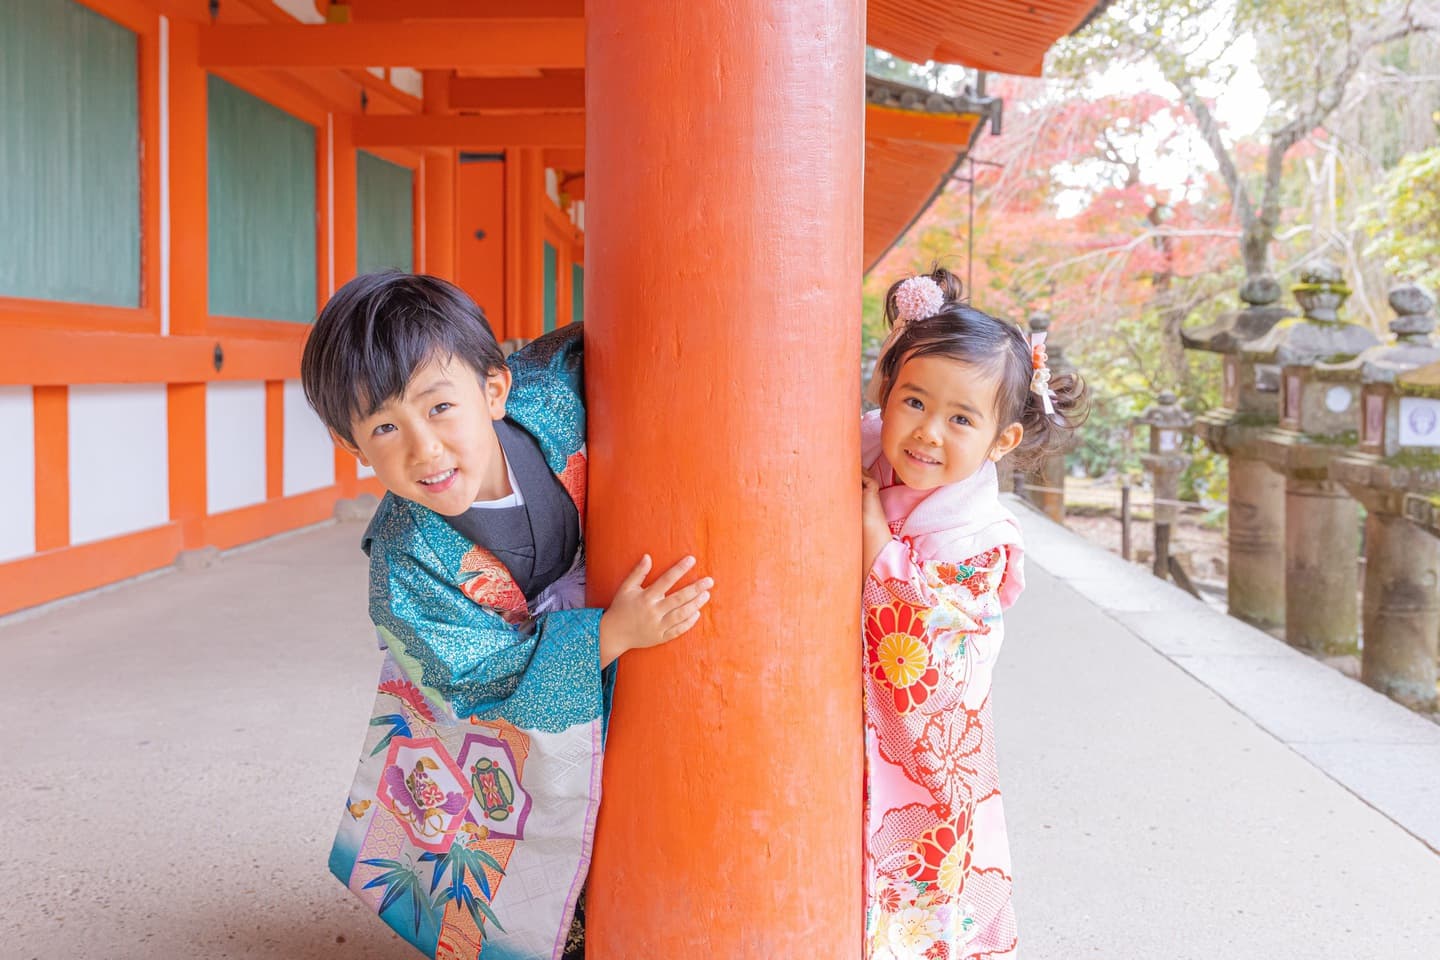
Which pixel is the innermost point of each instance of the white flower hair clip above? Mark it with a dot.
(917, 298)
(1040, 379)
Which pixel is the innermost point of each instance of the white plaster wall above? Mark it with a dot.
(234, 445)
(17, 475)
(309, 452)
(302, 10)
(408, 80)
(363, 471)
(119, 462)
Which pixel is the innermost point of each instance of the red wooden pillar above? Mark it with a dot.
(438, 175)
(439, 171)
(524, 239)
(724, 162)
(344, 251)
(189, 268)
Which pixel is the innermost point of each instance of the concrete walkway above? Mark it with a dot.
(1178, 785)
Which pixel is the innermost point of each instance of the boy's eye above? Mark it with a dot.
(382, 429)
(440, 407)
(914, 403)
(961, 419)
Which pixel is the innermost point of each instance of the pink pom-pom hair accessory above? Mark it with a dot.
(915, 299)
(918, 298)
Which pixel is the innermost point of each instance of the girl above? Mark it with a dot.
(958, 390)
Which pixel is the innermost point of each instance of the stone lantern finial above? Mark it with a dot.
(1260, 291)
(1166, 411)
(1414, 308)
(1321, 292)
(1039, 321)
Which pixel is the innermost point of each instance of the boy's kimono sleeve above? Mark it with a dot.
(542, 674)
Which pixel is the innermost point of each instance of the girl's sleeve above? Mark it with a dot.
(541, 674)
(960, 594)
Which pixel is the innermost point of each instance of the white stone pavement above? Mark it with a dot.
(1178, 785)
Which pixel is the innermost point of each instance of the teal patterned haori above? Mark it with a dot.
(483, 752)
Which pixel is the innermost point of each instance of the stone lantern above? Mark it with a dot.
(1319, 421)
(1256, 566)
(1399, 458)
(1168, 455)
(1046, 483)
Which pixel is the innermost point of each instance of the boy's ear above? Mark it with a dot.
(1008, 440)
(349, 448)
(497, 390)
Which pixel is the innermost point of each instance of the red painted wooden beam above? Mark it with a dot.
(561, 90)
(517, 130)
(389, 11)
(423, 45)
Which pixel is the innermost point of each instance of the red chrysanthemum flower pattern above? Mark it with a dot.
(899, 654)
(942, 854)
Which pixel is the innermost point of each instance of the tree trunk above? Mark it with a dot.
(1255, 240)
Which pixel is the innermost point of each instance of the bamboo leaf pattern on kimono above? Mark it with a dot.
(400, 879)
(399, 726)
(460, 860)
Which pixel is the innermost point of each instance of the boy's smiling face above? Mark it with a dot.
(435, 443)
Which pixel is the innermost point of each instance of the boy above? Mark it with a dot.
(473, 810)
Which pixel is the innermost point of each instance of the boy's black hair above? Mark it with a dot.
(376, 331)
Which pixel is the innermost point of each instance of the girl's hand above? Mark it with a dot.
(875, 529)
(642, 616)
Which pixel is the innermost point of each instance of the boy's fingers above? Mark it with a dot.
(684, 611)
(670, 577)
(684, 595)
(682, 627)
(637, 576)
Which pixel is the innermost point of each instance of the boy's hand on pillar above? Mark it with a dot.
(642, 616)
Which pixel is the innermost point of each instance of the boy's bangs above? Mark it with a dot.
(377, 331)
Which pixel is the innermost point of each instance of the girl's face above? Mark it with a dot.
(939, 423)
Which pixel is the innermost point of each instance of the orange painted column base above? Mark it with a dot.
(724, 162)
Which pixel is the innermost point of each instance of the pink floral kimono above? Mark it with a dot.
(937, 861)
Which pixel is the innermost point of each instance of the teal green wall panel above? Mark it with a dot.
(69, 155)
(262, 208)
(552, 278)
(577, 293)
(385, 215)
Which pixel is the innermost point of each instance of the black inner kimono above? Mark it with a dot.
(537, 540)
